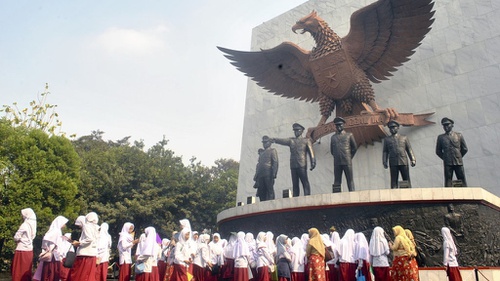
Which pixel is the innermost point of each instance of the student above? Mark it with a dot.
(315, 252)
(450, 253)
(84, 267)
(50, 260)
(125, 243)
(103, 252)
(379, 250)
(22, 263)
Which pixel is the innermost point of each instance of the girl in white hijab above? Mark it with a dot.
(103, 252)
(450, 253)
(84, 267)
(265, 261)
(252, 247)
(125, 243)
(346, 256)
(229, 258)
(216, 258)
(241, 255)
(23, 257)
(50, 259)
(361, 255)
(202, 259)
(147, 254)
(298, 260)
(183, 255)
(333, 267)
(379, 250)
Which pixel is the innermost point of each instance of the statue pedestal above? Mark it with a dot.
(475, 218)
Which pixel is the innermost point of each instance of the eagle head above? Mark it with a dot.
(309, 23)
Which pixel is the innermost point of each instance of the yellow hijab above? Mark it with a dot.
(403, 239)
(316, 242)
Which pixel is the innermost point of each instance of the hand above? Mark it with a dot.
(76, 243)
(385, 165)
(413, 163)
(313, 165)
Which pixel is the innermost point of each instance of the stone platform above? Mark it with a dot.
(475, 218)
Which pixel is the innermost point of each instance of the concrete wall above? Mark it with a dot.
(454, 73)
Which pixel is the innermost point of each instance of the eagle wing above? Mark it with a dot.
(283, 70)
(384, 34)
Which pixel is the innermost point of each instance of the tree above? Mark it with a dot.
(38, 171)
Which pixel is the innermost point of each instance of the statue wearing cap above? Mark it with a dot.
(300, 148)
(343, 148)
(266, 171)
(451, 148)
(396, 151)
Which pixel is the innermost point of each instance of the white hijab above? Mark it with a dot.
(216, 248)
(104, 237)
(54, 234)
(29, 223)
(378, 242)
(150, 244)
(346, 247)
(299, 255)
(361, 247)
(240, 246)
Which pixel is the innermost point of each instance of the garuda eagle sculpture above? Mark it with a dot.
(337, 72)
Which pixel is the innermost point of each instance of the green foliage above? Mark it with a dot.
(122, 182)
(37, 171)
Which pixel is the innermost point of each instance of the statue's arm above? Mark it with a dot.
(354, 146)
(409, 151)
(310, 150)
(385, 154)
(463, 145)
(281, 141)
(439, 147)
(275, 162)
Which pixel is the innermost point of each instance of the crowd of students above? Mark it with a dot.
(192, 256)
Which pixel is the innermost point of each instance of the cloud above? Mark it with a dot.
(131, 42)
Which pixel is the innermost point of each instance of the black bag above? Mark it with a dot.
(70, 258)
(215, 269)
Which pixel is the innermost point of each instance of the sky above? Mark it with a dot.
(145, 69)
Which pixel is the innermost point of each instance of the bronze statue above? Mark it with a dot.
(267, 169)
(343, 148)
(453, 221)
(451, 148)
(397, 150)
(337, 72)
(300, 148)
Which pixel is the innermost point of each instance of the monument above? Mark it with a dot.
(441, 77)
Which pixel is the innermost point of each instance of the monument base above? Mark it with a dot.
(473, 217)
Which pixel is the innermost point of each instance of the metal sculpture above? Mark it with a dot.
(337, 72)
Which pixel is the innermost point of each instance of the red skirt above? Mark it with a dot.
(453, 273)
(366, 270)
(333, 272)
(347, 271)
(21, 268)
(162, 269)
(168, 272)
(298, 276)
(263, 274)
(51, 271)
(124, 272)
(179, 273)
(228, 269)
(101, 273)
(240, 274)
(382, 273)
(64, 271)
(84, 269)
(316, 268)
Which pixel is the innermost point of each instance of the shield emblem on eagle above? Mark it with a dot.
(333, 74)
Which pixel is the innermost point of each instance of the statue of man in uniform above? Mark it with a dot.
(267, 169)
(342, 147)
(397, 150)
(300, 148)
(451, 148)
